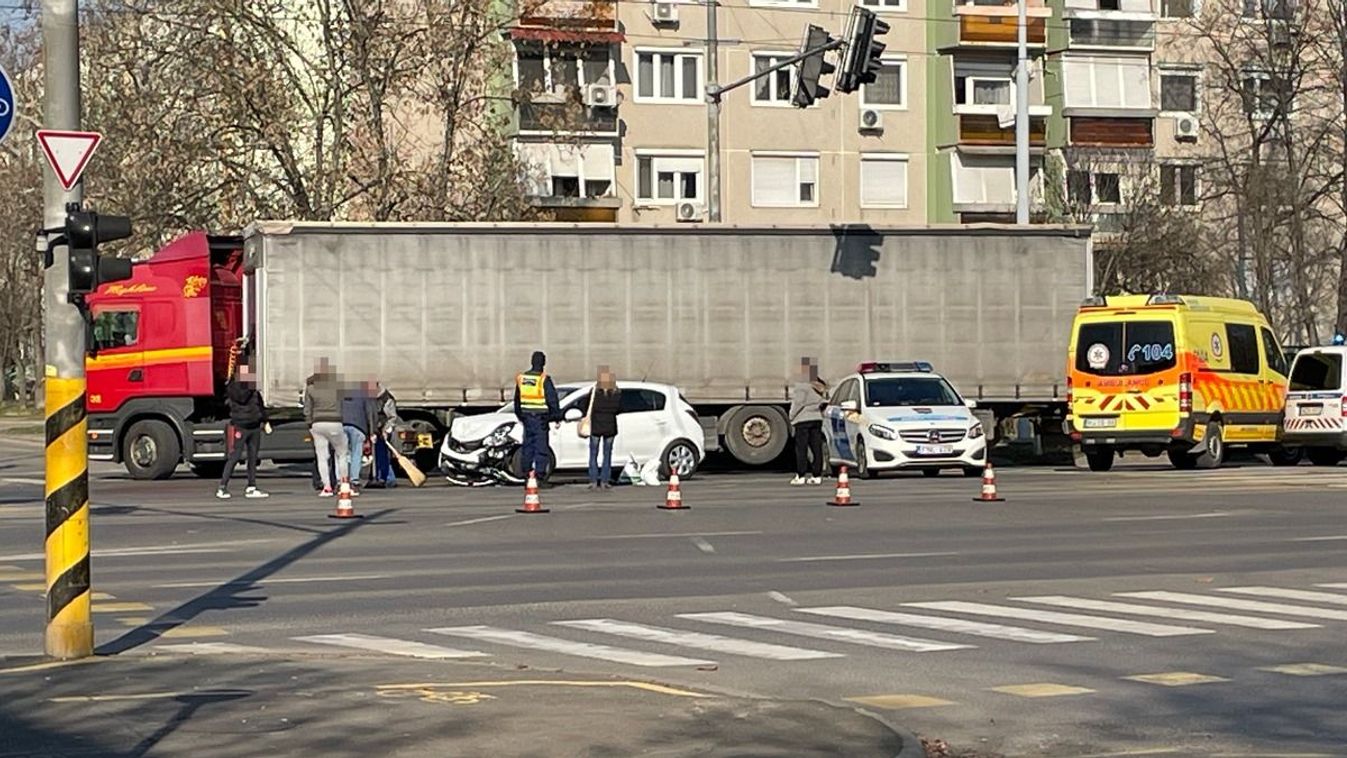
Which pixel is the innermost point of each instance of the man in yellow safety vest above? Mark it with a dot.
(535, 404)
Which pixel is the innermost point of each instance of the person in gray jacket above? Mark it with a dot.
(322, 411)
(807, 400)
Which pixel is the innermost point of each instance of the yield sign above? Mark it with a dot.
(68, 153)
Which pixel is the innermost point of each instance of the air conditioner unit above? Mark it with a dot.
(665, 14)
(690, 211)
(601, 96)
(872, 120)
(1186, 127)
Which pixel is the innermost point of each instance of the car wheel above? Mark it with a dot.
(862, 461)
(150, 450)
(1100, 458)
(1213, 447)
(1324, 456)
(1286, 455)
(930, 472)
(679, 457)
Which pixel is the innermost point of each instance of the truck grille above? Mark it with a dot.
(932, 436)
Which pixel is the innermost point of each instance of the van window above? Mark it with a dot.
(1317, 372)
(1243, 348)
(1125, 347)
(1272, 352)
(114, 329)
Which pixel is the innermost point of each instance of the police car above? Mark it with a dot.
(902, 415)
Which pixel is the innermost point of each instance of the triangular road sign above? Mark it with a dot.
(68, 153)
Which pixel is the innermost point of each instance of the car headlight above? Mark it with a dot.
(975, 431)
(883, 432)
(500, 436)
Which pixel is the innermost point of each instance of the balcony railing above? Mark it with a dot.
(1113, 132)
(1033, 8)
(999, 30)
(985, 130)
(569, 14)
(563, 117)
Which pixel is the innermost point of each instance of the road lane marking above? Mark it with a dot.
(825, 632)
(782, 598)
(481, 520)
(1334, 538)
(532, 641)
(22, 480)
(959, 626)
(1285, 594)
(150, 550)
(1335, 586)
(1176, 678)
(1305, 669)
(1040, 689)
(34, 587)
(666, 535)
(1066, 619)
(1239, 604)
(703, 545)
(863, 557)
(899, 702)
(698, 640)
(189, 632)
(115, 698)
(1183, 614)
(20, 576)
(121, 607)
(647, 686)
(49, 665)
(262, 582)
(1175, 517)
(210, 648)
(389, 646)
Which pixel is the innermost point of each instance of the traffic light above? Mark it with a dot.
(811, 69)
(84, 232)
(861, 63)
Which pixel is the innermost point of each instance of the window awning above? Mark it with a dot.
(540, 34)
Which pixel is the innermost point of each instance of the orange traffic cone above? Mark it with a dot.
(532, 503)
(843, 494)
(345, 509)
(989, 487)
(673, 499)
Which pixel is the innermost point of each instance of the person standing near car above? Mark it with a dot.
(535, 405)
(386, 421)
(806, 419)
(357, 419)
(322, 411)
(247, 422)
(604, 404)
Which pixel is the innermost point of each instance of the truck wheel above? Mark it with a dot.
(1100, 458)
(150, 450)
(756, 434)
(1283, 455)
(208, 469)
(1213, 450)
(681, 457)
(1324, 456)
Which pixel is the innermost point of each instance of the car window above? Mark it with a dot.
(1115, 348)
(1316, 372)
(1243, 348)
(908, 391)
(1272, 352)
(844, 392)
(641, 400)
(114, 329)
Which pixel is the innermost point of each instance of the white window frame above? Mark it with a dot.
(798, 156)
(1160, 11)
(547, 70)
(769, 55)
(968, 86)
(881, 6)
(785, 4)
(1175, 69)
(903, 158)
(1095, 202)
(676, 53)
(1266, 78)
(672, 154)
(889, 60)
(1178, 186)
(1092, 64)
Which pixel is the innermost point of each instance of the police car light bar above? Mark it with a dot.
(870, 367)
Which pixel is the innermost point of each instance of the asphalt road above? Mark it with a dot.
(1184, 613)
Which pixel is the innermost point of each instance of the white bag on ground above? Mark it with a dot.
(650, 473)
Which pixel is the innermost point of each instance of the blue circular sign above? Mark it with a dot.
(7, 105)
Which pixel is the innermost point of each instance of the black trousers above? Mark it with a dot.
(809, 440)
(246, 442)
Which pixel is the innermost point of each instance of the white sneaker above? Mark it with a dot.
(816, 480)
(254, 492)
(797, 481)
(223, 493)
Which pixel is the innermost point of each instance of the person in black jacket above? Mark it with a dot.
(247, 421)
(605, 402)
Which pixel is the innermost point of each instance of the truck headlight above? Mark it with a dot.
(499, 436)
(975, 431)
(883, 432)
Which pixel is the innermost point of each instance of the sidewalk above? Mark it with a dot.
(211, 706)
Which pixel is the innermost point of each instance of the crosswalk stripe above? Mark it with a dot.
(1334, 586)
(389, 646)
(1307, 596)
(1067, 619)
(515, 638)
(1239, 604)
(959, 626)
(1184, 614)
(825, 632)
(210, 648)
(713, 642)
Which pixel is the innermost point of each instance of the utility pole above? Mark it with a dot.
(1022, 119)
(713, 93)
(70, 629)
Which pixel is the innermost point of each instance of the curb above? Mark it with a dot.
(912, 747)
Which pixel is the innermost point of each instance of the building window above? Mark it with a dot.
(1178, 185)
(889, 90)
(667, 179)
(1178, 91)
(775, 88)
(785, 3)
(668, 76)
(1107, 188)
(1107, 82)
(1084, 188)
(883, 181)
(565, 170)
(1263, 94)
(885, 5)
(984, 90)
(1281, 10)
(1110, 5)
(785, 181)
(562, 69)
(1078, 188)
(1178, 8)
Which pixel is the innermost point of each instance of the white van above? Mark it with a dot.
(1316, 414)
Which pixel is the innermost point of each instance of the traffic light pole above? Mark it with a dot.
(712, 112)
(1022, 120)
(70, 630)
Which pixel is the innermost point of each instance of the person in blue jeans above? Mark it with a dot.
(357, 419)
(605, 404)
(386, 420)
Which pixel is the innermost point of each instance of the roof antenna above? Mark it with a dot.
(648, 366)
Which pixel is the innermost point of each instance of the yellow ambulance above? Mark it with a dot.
(1178, 374)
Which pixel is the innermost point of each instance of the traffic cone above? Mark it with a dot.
(673, 499)
(843, 495)
(989, 487)
(532, 503)
(345, 509)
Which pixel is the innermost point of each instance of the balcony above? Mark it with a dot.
(1142, 10)
(996, 31)
(546, 114)
(980, 130)
(1033, 8)
(1112, 132)
(1123, 35)
(593, 15)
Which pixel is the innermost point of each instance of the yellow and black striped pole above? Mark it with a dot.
(70, 628)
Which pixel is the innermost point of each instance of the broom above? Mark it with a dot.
(413, 473)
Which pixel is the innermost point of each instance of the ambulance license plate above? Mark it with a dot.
(935, 449)
(1101, 423)
(1311, 410)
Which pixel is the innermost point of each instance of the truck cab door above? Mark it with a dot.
(116, 369)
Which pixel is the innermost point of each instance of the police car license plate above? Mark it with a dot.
(1100, 423)
(935, 449)
(1311, 410)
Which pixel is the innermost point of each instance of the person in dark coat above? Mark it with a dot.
(536, 405)
(605, 403)
(247, 422)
